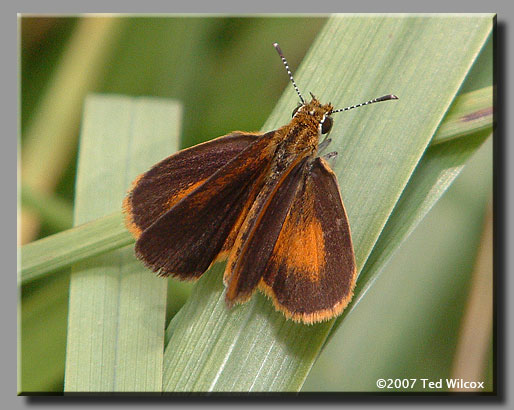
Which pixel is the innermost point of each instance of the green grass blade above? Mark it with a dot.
(409, 322)
(117, 308)
(467, 124)
(422, 60)
(470, 112)
(439, 167)
(73, 245)
(104, 234)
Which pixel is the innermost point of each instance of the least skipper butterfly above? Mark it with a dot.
(266, 202)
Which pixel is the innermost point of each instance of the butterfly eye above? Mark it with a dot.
(326, 126)
(294, 111)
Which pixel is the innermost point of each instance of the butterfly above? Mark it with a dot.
(265, 202)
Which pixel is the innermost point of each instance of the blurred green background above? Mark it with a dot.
(227, 76)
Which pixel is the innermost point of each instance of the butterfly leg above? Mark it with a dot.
(324, 144)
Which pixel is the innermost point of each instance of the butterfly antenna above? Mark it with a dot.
(279, 51)
(375, 100)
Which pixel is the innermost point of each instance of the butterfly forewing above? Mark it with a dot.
(186, 239)
(249, 259)
(159, 189)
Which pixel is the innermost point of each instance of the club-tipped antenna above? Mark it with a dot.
(375, 100)
(279, 51)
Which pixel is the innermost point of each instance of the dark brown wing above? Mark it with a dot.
(300, 254)
(187, 238)
(156, 191)
(311, 273)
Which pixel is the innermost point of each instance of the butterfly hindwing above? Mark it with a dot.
(186, 239)
(156, 191)
(301, 253)
(311, 273)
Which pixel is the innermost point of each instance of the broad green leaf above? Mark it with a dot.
(439, 167)
(117, 310)
(104, 234)
(470, 116)
(409, 322)
(441, 164)
(423, 60)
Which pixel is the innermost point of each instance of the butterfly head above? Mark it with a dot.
(315, 111)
